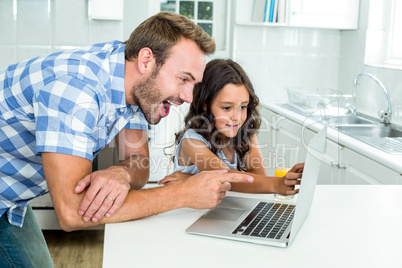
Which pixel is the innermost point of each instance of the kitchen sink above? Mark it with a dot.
(377, 131)
(367, 129)
(343, 120)
(349, 120)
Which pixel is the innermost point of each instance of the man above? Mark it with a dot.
(59, 110)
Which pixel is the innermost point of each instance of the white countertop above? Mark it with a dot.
(348, 226)
(393, 161)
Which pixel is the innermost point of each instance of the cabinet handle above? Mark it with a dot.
(274, 128)
(342, 166)
(338, 165)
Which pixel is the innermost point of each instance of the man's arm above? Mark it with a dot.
(62, 172)
(198, 153)
(108, 188)
(132, 145)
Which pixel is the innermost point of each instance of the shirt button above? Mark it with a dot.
(108, 124)
(122, 110)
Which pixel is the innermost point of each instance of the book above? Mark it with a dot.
(259, 10)
(271, 11)
(275, 17)
(281, 13)
(266, 10)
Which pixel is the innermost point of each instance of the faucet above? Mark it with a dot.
(384, 115)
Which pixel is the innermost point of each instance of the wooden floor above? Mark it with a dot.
(75, 249)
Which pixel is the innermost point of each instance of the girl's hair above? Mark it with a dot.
(218, 73)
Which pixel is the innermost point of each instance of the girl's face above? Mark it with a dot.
(230, 109)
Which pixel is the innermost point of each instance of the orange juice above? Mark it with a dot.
(280, 172)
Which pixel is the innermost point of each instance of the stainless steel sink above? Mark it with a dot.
(385, 137)
(376, 131)
(349, 120)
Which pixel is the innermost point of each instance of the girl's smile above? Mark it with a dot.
(230, 109)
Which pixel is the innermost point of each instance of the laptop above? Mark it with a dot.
(267, 222)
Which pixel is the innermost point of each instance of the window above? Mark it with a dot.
(209, 15)
(384, 34)
(395, 37)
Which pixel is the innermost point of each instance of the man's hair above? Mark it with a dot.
(162, 31)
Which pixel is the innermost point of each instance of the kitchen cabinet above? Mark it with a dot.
(339, 14)
(276, 129)
(363, 170)
(332, 167)
(267, 139)
(329, 14)
(340, 164)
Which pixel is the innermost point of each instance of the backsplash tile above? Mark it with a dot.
(70, 25)
(8, 23)
(8, 55)
(30, 28)
(104, 30)
(34, 22)
(279, 57)
(27, 52)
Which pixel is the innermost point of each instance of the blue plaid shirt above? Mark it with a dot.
(69, 102)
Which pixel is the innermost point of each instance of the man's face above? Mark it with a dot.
(173, 83)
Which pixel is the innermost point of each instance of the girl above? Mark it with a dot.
(221, 132)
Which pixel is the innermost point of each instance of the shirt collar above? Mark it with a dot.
(116, 67)
(117, 71)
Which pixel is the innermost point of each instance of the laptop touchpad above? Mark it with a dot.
(225, 214)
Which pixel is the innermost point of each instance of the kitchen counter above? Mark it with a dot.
(347, 226)
(392, 161)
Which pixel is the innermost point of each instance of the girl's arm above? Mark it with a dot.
(197, 152)
(254, 160)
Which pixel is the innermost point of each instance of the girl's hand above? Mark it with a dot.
(298, 168)
(291, 179)
(175, 177)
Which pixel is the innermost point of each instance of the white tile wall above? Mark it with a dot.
(70, 23)
(29, 28)
(279, 57)
(369, 96)
(8, 24)
(34, 22)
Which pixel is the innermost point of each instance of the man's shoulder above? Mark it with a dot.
(105, 46)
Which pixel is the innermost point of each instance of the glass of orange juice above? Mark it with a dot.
(285, 158)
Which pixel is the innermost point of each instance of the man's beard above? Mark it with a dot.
(148, 98)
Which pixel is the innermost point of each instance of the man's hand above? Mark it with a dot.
(175, 177)
(207, 189)
(107, 190)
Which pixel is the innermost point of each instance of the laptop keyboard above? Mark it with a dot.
(267, 220)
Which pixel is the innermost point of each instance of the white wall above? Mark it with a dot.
(279, 57)
(30, 28)
(370, 98)
(274, 57)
